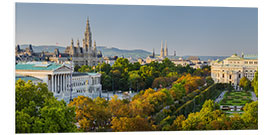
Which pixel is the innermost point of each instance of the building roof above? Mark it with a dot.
(234, 57)
(251, 57)
(93, 73)
(81, 74)
(27, 78)
(193, 58)
(37, 66)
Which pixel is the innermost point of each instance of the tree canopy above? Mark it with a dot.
(38, 111)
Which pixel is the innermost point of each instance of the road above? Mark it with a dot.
(220, 97)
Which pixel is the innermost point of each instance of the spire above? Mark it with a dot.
(95, 47)
(72, 47)
(153, 52)
(242, 55)
(87, 45)
(78, 46)
(166, 49)
(162, 50)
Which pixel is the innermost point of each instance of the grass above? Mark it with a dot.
(236, 98)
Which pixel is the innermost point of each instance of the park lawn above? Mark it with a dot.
(236, 98)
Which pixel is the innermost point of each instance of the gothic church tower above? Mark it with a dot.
(87, 41)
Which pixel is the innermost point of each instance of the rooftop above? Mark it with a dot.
(27, 78)
(37, 66)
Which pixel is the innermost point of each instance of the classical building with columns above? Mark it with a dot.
(233, 68)
(58, 78)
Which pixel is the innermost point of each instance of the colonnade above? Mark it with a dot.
(59, 83)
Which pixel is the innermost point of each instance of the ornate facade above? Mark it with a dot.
(87, 54)
(233, 68)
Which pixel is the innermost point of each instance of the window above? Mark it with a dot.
(246, 62)
(222, 75)
(230, 76)
(255, 62)
(250, 62)
(239, 76)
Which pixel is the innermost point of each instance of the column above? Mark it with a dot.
(65, 82)
(61, 83)
(57, 83)
(52, 83)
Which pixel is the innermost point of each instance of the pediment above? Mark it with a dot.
(62, 69)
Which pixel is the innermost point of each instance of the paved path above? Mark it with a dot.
(254, 98)
(220, 97)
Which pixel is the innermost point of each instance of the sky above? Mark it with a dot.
(200, 31)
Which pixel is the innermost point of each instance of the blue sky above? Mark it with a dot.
(202, 31)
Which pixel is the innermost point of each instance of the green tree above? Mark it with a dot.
(106, 81)
(209, 80)
(85, 68)
(135, 80)
(255, 83)
(178, 91)
(245, 83)
(76, 68)
(250, 115)
(38, 111)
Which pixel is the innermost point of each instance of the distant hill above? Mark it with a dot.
(137, 53)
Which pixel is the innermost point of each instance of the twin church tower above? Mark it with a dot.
(164, 52)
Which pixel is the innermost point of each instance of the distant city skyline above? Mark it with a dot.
(201, 31)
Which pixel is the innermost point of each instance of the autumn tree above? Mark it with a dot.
(177, 123)
(38, 111)
(137, 123)
(92, 115)
(245, 83)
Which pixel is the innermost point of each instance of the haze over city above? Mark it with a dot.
(201, 31)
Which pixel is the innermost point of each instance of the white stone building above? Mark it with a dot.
(58, 78)
(233, 68)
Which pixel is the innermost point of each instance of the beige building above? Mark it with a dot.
(233, 68)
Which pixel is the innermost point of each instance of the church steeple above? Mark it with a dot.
(87, 37)
(72, 47)
(78, 46)
(162, 50)
(166, 49)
